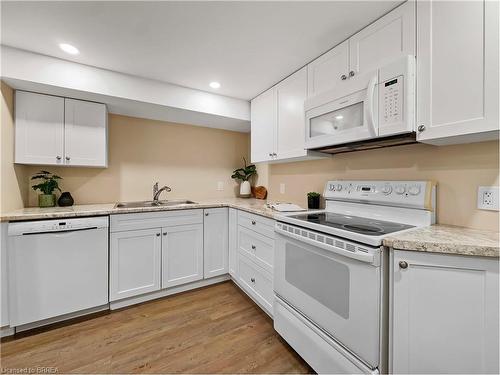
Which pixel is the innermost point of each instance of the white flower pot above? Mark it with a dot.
(245, 190)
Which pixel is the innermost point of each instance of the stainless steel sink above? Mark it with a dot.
(168, 203)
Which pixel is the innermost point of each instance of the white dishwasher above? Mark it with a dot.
(56, 267)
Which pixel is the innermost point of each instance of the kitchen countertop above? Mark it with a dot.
(256, 206)
(447, 239)
(434, 239)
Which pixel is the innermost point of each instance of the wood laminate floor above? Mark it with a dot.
(216, 329)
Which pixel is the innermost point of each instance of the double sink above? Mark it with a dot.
(167, 203)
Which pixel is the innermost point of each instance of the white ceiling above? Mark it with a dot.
(246, 46)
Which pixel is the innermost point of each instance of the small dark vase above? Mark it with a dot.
(313, 203)
(65, 199)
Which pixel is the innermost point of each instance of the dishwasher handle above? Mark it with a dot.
(60, 231)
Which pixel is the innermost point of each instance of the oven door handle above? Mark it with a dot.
(358, 255)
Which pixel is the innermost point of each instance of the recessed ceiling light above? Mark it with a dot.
(68, 48)
(214, 85)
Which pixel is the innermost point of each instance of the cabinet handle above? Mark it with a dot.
(58, 157)
(68, 158)
(421, 128)
(352, 73)
(343, 77)
(253, 222)
(253, 247)
(252, 280)
(164, 233)
(275, 154)
(206, 213)
(157, 234)
(403, 265)
(271, 154)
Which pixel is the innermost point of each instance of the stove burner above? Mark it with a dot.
(362, 228)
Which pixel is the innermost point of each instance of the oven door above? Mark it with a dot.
(338, 293)
(334, 120)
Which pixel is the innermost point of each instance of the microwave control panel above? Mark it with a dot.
(391, 101)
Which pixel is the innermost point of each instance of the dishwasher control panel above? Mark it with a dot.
(57, 225)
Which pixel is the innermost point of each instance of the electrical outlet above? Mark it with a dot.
(282, 188)
(488, 198)
(220, 186)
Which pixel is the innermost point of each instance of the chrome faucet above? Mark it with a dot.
(157, 192)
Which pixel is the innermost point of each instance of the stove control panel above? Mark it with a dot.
(413, 194)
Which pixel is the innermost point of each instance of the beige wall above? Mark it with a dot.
(13, 186)
(189, 159)
(458, 170)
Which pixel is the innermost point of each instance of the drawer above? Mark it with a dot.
(146, 220)
(256, 246)
(256, 282)
(257, 223)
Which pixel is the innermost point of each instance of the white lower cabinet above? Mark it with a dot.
(215, 242)
(135, 263)
(257, 282)
(445, 313)
(182, 254)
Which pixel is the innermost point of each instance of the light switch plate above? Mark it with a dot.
(282, 188)
(488, 198)
(220, 186)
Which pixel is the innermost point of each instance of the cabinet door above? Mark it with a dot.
(290, 135)
(328, 70)
(457, 71)
(263, 125)
(135, 263)
(233, 242)
(39, 129)
(387, 39)
(444, 313)
(182, 254)
(85, 134)
(215, 242)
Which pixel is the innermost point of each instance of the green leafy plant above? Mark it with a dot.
(49, 182)
(313, 194)
(244, 173)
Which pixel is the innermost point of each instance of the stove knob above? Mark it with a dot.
(331, 187)
(387, 189)
(400, 189)
(339, 187)
(414, 190)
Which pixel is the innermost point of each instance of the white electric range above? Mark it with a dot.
(330, 278)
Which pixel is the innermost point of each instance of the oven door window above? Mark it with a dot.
(324, 279)
(337, 121)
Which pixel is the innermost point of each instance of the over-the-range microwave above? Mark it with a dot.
(371, 110)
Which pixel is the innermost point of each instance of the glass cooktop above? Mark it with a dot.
(355, 224)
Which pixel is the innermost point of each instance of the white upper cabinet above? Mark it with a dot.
(290, 131)
(85, 133)
(328, 69)
(278, 123)
(385, 40)
(182, 254)
(457, 71)
(51, 130)
(263, 122)
(39, 129)
(215, 242)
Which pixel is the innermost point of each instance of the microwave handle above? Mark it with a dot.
(370, 101)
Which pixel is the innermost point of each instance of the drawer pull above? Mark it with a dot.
(252, 279)
(253, 247)
(157, 234)
(253, 222)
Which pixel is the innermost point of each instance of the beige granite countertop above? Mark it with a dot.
(434, 239)
(447, 239)
(256, 206)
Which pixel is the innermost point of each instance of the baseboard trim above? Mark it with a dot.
(7, 331)
(114, 305)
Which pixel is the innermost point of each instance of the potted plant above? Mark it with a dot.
(313, 200)
(244, 175)
(48, 185)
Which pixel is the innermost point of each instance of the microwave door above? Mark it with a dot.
(348, 119)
